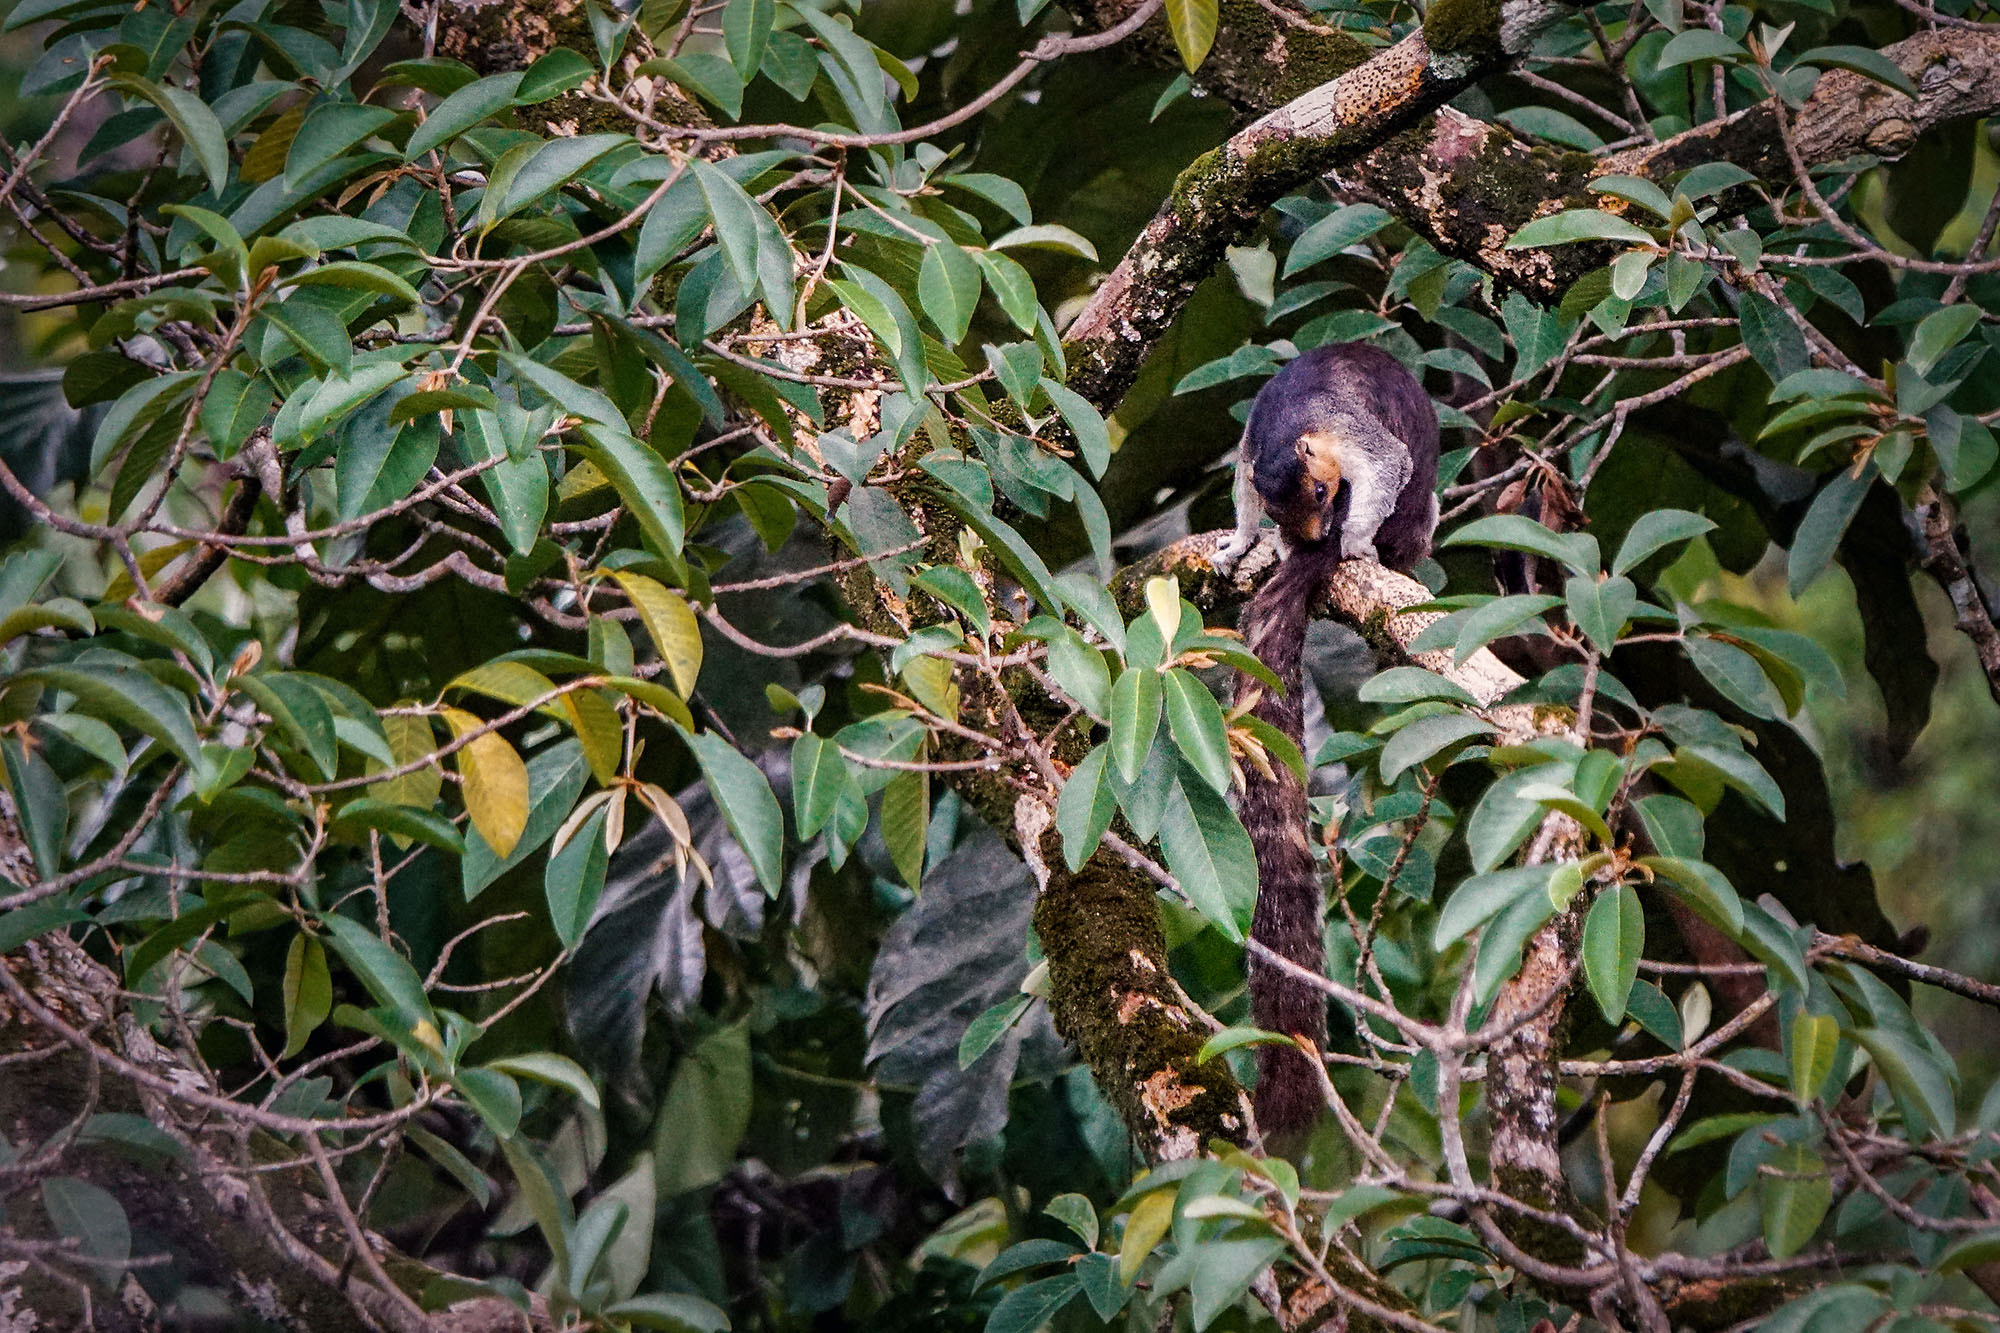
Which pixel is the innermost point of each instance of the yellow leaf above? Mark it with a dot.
(594, 717)
(510, 682)
(1163, 601)
(670, 620)
(1151, 1217)
(496, 783)
(151, 562)
(266, 157)
(410, 739)
(931, 685)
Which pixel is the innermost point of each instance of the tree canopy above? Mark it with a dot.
(614, 699)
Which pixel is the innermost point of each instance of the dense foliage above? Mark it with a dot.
(611, 696)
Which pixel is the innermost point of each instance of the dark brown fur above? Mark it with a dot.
(1287, 918)
(1360, 401)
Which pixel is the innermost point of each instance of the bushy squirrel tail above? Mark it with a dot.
(1289, 908)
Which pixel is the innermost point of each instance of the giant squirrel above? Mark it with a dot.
(1341, 449)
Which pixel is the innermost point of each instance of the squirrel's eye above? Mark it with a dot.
(1319, 491)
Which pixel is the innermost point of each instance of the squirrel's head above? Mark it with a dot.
(1300, 482)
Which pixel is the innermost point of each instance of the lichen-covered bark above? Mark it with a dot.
(1221, 195)
(1272, 58)
(1111, 994)
(1465, 184)
(1523, 1154)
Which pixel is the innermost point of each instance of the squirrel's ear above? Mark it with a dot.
(1320, 451)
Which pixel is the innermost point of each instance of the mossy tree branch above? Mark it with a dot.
(1223, 193)
(1466, 184)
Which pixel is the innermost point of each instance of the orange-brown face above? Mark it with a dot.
(1319, 451)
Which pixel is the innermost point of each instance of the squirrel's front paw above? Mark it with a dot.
(1230, 550)
(1353, 549)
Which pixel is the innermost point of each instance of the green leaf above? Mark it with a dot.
(957, 590)
(1699, 44)
(1614, 939)
(737, 224)
(191, 116)
(308, 992)
(1940, 331)
(560, 71)
(1795, 1201)
(643, 481)
(574, 878)
(705, 1112)
(235, 406)
(1194, 720)
(1578, 224)
(1411, 684)
(948, 288)
(494, 1096)
(1815, 1041)
(461, 111)
(1085, 808)
(1011, 287)
(1922, 1087)
(1655, 530)
(555, 1070)
(1334, 233)
(1735, 675)
(906, 820)
(330, 129)
(386, 973)
(1503, 819)
(1000, 191)
(1742, 772)
(342, 393)
(1771, 336)
(1483, 897)
(1862, 60)
(1518, 532)
(1193, 24)
(1021, 1257)
(1704, 886)
(1970, 1252)
(1086, 423)
(819, 779)
(746, 29)
(121, 691)
(1825, 523)
(92, 1217)
(1136, 697)
(1078, 668)
(1420, 740)
(1500, 947)
(1030, 1307)
(743, 794)
(675, 1312)
(404, 822)
(989, 1027)
(516, 488)
(1230, 1039)
(1211, 857)
(1600, 607)
(1046, 235)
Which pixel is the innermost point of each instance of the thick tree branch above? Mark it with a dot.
(1220, 197)
(1467, 184)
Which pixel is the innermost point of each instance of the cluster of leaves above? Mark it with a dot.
(503, 365)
